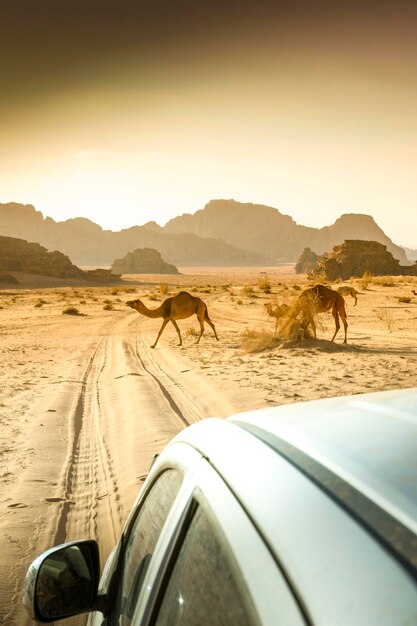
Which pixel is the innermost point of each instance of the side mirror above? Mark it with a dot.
(62, 581)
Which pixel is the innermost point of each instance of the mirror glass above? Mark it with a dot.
(65, 584)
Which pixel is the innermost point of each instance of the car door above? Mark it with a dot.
(153, 517)
(219, 571)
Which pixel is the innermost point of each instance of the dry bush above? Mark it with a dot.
(152, 296)
(40, 303)
(258, 340)
(163, 288)
(108, 306)
(404, 299)
(247, 290)
(264, 284)
(365, 280)
(114, 291)
(295, 325)
(294, 331)
(384, 315)
(191, 332)
(296, 287)
(239, 301)
(125, 289)
(71, 310)
(384, 281)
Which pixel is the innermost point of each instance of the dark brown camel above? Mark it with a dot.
(320, 299)
(177, 307)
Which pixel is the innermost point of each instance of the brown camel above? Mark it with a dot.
(177, 307)
(320, 299)
(346, 290)
(277, 311)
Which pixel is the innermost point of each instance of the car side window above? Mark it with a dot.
(205, 586)
(142, 540)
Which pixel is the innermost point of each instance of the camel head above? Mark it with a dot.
(134, 304)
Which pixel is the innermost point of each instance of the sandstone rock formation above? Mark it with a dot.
(86, 243)
(260, 228)
(225, 232)
(355, 257)
(307, 262)
(8, 279)
(143, 261)
(18, 255)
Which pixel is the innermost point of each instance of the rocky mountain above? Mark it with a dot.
(257, 227)
(355, 257)
(143, 261)
(308, 261)
(86, 243)
(18, 255)
(411, 254)
(225, 232)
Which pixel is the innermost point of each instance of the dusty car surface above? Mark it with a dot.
(294, 515)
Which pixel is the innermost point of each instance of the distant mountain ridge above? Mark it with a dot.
(225, 232)
(258, 227)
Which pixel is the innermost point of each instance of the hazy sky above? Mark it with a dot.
(125, 112)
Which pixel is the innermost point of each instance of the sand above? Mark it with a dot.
(85, 402)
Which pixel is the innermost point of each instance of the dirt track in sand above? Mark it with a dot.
(90, 435)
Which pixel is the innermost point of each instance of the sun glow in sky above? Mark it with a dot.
(149, 111)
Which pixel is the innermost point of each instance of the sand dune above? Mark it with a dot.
(85, 403)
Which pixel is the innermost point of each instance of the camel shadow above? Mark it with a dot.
(323, 345)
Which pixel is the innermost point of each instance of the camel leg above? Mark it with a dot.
(336, 319)
(164, 323)
(312, 323)
(345, 324)
(178, 331)
(210, 323)
(201, 329)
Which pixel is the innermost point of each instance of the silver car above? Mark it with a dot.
(295, 515)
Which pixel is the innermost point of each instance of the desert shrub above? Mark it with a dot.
(152, 296)
(71, 310)
(107, 301)
(257, 340)
(239, 301)
(108, 306)
(296, 287)
(40, 303)
(191, 332)
(385, 316)
(208, 290)
(114, 291)
(163, 288)
(264, 285)
(83, 302)
(365, 280)
(247, 290)
(384, 281)
(404, 299)
(126, 289)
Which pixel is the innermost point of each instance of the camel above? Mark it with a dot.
(346, 290)
(320, 299)
(277, 311)
(178, 307)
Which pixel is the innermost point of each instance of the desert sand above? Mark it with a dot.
(85, 402)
